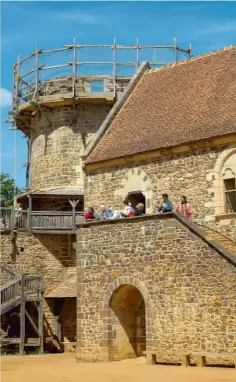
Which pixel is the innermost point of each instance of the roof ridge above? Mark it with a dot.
(187, 60)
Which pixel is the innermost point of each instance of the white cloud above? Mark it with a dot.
(85, 18)
(5, 97)
(213, 30)
(227, 27)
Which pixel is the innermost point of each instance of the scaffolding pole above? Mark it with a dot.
(74, 73)
(176, 50)
(32, 90)
(137, 53)
(35, 97)
(114, 68)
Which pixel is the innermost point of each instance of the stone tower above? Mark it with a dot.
(59, 113)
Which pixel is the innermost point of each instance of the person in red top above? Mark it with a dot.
(90, 214)
(183, 206)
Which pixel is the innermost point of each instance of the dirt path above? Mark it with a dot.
(63, 368)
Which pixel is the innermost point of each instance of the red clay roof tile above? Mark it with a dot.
(173, 105)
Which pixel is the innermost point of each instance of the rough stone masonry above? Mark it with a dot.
(188, 289)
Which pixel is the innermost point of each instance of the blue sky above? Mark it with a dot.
(208, 25)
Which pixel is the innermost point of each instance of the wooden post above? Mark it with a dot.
(114, 67)
(29, 213)
(17, 84)
(57, 328)
(73, 218)
(176, 51)
(73, 204)
(27, 161)
(40, 314)
(22, 315)
(137, 53)
(36, 72)
(74, 72)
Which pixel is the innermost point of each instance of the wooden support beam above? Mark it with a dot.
(73, 203)
(32, 322)
(40, 314)
(29, 213)
(24, 120)
(41, 108)
(22, 315)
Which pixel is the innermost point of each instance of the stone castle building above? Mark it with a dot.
(160, 281)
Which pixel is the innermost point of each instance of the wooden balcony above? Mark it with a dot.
(54, 222)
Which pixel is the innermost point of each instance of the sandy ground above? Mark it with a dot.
(63, 368)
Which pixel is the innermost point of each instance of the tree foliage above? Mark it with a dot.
(7, 186)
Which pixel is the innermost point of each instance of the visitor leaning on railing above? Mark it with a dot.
(165, 206)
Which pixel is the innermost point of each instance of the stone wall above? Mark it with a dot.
(58, 138)
(188, 288)
(56, 203)
(48, 255)
(63, 85)
(180, 174)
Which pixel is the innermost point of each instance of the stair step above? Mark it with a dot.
(227, 243)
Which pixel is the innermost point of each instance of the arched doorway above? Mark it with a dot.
(135, 198)
(127, 321)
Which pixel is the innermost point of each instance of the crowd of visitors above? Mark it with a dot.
(129, 211)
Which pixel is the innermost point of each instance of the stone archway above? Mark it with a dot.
(124, 330)
(127, 322)
(214, 177)
(136, 181)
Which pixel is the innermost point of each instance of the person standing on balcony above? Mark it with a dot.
(104, 214)
(18, 216)
(2, 212)
(166, 205)
(138, 211)
(183, 206)
(90, 214)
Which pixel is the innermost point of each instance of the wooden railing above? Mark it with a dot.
(33, 286)
(11, 218)
(10, 293)
(39, 220)
(60, 220)
(17, 292)
(28, 285)
(6, 274)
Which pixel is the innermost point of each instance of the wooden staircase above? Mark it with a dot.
(19, 291)
(220, 238)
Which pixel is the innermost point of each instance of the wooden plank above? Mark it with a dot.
(50, 231)
(40, 314)
(29, 213)
(22, 315)
(219, 355)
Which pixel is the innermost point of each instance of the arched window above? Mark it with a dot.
(228, 178)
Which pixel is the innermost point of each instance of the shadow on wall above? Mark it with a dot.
(127, 334)
(58, 246)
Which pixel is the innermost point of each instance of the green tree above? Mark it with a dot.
(7, 186)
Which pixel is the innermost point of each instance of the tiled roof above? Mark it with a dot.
(176, 104)
(60, 191)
